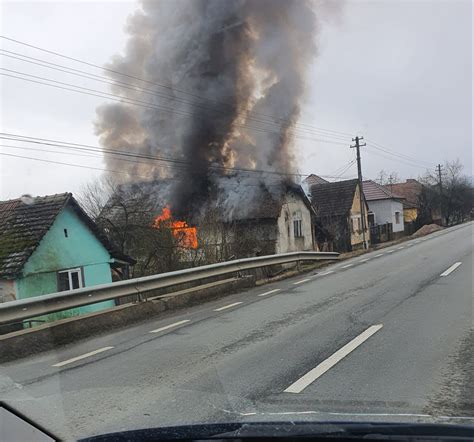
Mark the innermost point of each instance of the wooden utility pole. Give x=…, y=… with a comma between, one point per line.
x=439, y=167
x=357, y=146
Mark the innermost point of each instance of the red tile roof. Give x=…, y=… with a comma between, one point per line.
x=410, y=191
x=374, y=191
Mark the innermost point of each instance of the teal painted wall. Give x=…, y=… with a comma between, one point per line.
x=57, y=252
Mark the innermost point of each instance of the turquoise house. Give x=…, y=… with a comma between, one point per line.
x=49, y=244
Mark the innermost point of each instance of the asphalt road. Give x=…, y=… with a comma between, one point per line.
x=379, y=337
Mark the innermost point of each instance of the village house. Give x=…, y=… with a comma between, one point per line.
x=410, y=191
x=273, y=223
x=241, y=219
x=49, y=244
x=339, y=225
x=385, y=209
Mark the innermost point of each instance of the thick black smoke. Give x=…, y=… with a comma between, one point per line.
x=224, y=80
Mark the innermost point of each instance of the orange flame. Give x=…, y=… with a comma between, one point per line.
x=186, y=235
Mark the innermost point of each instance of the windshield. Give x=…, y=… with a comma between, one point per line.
x=235, y=211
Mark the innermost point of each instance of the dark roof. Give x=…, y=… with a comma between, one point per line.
x=374, y=191
x=236, y=198
x=261, y=203
x=410, y=191
x=25, y=221
x=333, y=199
x=314, y=179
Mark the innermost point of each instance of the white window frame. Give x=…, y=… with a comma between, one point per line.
x=69, y=272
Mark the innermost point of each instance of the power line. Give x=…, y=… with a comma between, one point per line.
x=129, y=86
x=146, y=178
x=348, y=166
x=419, y=166
x=167, y=87
x=178, y=163
x=382, y=148
x=145, y=104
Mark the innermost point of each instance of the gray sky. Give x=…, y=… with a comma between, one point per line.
x=397, y=72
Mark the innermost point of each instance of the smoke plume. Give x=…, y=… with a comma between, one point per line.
x=223, y=85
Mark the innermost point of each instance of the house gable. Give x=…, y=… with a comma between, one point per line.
x=295, y=207
x=68, y=243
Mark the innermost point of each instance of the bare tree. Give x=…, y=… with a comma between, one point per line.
x=453, y=198
x=384, y=178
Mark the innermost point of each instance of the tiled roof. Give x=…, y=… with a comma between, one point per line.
x=374, y=191
x=333, y=199
x=24, y=222
x=314, y=179
x=410, y=191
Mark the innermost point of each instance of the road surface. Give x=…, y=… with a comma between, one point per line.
x=386, y=335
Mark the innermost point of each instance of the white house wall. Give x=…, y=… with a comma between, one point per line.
x=286, y=236
x=384, y=212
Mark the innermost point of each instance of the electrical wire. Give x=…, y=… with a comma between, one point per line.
x=176, y=163
x=173, y=99
x=140, y=103
x=167, y=87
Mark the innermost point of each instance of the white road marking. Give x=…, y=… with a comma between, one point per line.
x=270, y=292
x=402, y=247
x=451, y=269
x=227, y=306
x=390, y=251
x=326, y=273
x=78, y=358
x=301, y=282
x=323, y=367
x=166, y=327
x=346, y=266
x=365, y=260
x=380, y=254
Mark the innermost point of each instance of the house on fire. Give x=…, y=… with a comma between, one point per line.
x=265, y=222
x=338, y=215
x=240, y=219
x=49, y=244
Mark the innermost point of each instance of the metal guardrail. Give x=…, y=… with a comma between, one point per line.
x=40, y=305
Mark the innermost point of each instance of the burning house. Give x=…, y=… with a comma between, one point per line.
x=236, y=223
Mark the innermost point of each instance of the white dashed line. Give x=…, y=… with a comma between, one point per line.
x=451, y=269
x=78, y=358
x=346, y=266
x=270, y=292
x=402, y=247
x=323, y=367
x=365, y=260
x=301, y=282
x=390, y=251
x=326, y=273
x=227, y=306
x=166, y=327
x=380, y=254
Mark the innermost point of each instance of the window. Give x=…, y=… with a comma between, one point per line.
x=297, y=224
x=359, y=227
x=397, y=217
x=297, y=227
x=70, y=279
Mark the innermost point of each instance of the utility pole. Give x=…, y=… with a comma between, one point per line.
x=357, y=146
x=440, y=184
